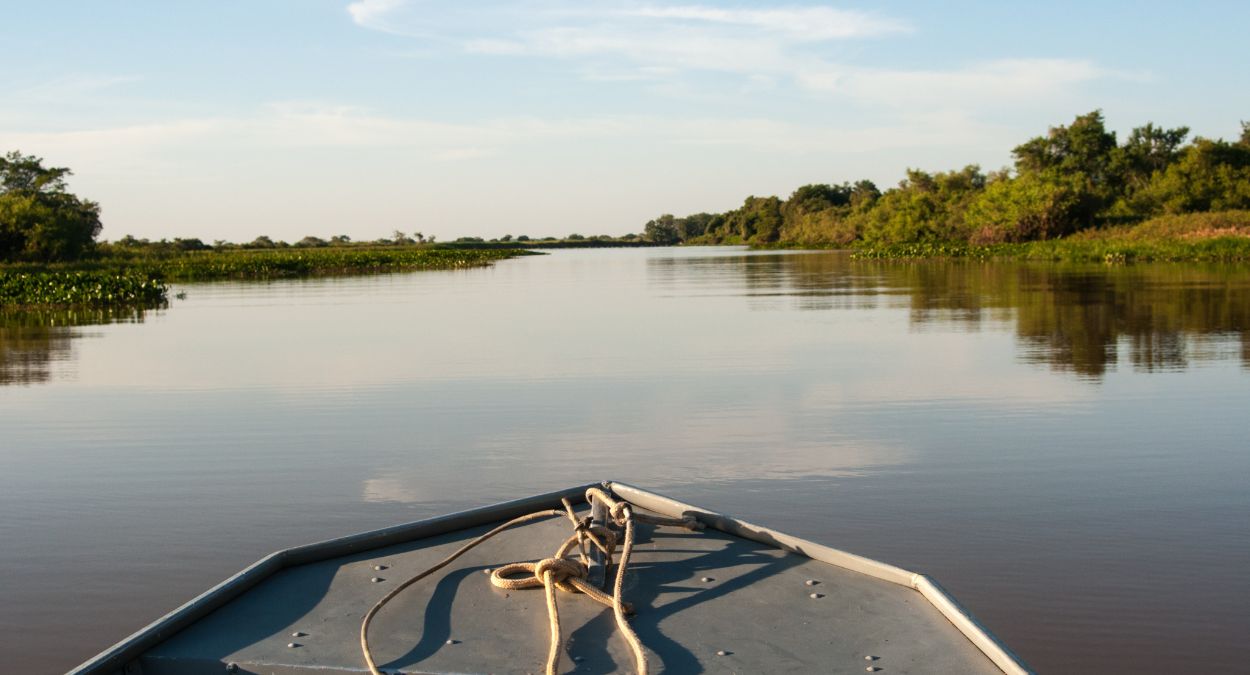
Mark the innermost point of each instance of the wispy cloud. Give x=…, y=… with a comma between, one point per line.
x=785, y=45
x=297, y=125
x=1005, y=81
x=72, y=86
x=656, y=37
x=374, y=14
x=804, y=23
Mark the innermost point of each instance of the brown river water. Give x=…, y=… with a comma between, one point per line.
x=1066, y=448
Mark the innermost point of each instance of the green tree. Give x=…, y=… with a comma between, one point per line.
x=1033, y=206
x=311, y=242
x=191, y=244
x=693, y=225
x=864, y=194
x=1148, y=149
x=758, y=220
x=1084, y=149
x=1085, y=146
x=924, y=207
x=818, y=197
x=662, y=230
x=39, y=219
x=1209, y=176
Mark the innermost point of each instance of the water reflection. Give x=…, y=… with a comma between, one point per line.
x=1082, y=319
x=33, y=342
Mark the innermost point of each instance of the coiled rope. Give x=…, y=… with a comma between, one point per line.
x=559, y=571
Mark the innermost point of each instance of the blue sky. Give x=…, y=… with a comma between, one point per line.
x=229, y=119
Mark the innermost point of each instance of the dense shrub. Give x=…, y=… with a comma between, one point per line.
x=924, y=208
x=1033, y=206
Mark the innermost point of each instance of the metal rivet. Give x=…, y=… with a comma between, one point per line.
x=811, y=582
x=486, y=571
x=299, y=633
x=723, y=653
x=232, y=667
x=379, y=567
x=453, y=642
x=707, y=579
x=292, y=645
x=377, y=579
x=872, y=669
x=816, y=596
x=870, y=657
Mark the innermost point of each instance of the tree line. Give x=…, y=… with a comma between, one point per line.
x=1074, y=178
x=42, y=222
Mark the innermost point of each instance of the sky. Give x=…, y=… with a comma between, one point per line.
x=231, y=119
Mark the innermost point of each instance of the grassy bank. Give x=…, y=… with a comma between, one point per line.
x=1195, y=237
x=141, y=280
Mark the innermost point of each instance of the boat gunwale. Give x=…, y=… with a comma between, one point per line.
x=959, y=616
x=113, y=661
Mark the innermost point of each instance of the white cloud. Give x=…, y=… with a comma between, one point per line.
x=70, y=86
x=308, y=125
x=374, y=13
x=803, y=23
x=1002, y=81
x=767, y=47
x=672, y=38
x=665, y=48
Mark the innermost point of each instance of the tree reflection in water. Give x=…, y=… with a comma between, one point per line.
x=1082, y=319
x=32, y=342
x=1073, y=318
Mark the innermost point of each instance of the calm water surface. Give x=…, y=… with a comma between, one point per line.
x=1063, y=447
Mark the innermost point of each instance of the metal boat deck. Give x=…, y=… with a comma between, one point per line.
x=710, y=601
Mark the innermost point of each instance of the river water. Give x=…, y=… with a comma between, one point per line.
x=1063, y=447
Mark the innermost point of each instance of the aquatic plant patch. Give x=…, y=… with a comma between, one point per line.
x=81, y=288
x=285, y=263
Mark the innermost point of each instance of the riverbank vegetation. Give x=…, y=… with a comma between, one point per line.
x=1077, y=184
x=49, y=256
x=278, y=263
x=78, y=288
x=127, y=276
x=1222, y=236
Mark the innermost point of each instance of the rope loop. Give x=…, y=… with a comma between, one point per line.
x=560, y=571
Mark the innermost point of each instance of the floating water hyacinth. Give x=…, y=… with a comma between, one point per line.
x=81, y=288
x=271, y=264
x=141, y=281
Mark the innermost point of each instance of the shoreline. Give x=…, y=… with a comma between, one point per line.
x=143, y=281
